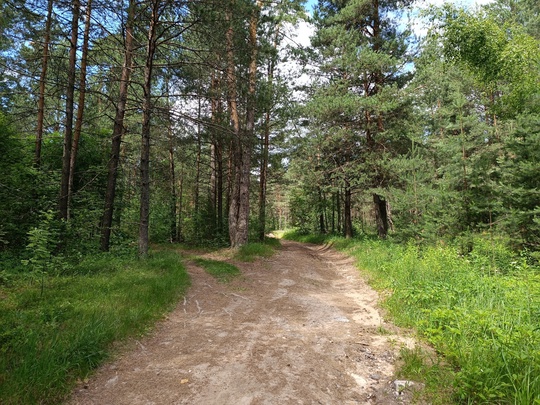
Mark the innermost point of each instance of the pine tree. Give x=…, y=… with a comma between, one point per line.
x=362, y=55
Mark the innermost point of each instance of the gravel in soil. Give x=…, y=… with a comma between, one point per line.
x=300, y=327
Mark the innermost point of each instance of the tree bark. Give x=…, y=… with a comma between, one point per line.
x=265, y=147
x=118, y=131
x=172, y=176
x=63, y=205
x=145, y=133
x=322, y=228
x=239, y=202
x=80, y=107
x=42, y=82
x=216, y=158
x=347, y=215
x=381, y=216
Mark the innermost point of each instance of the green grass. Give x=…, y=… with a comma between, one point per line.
x=481, y=312
x=305, y=238
x=222, y=271
x=251, y=251
x=49, y=341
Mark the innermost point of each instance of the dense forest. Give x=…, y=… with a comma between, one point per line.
x=206, y=122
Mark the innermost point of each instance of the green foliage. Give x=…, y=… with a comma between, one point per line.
x=48, y=342
x=480, y=311
x=42, y=241
x=17, y=180
x=419, y=365
x=301, y=236
x=222, y=271
x=498, y=54
x=251, y=251
x=521, y=184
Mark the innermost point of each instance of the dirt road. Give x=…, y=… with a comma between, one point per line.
x=298, y=328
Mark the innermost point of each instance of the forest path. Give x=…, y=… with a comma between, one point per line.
x=301, y=327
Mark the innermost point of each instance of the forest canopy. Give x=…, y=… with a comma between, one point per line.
x=131, y=122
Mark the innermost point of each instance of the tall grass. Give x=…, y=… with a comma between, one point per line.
x=49, y=341
x=251, y=251
x=480, y=311
x=484, y=319
x=222, y=271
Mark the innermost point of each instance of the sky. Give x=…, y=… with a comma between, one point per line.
x=305, y=30
x=300, y=35
x=467, y=3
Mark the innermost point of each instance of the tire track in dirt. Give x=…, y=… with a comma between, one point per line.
x=301, y=327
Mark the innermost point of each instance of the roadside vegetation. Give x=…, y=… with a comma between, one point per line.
x=222, y=271
x=54, y=330
x=252, y=251
x=479, y=311
x=225, y=272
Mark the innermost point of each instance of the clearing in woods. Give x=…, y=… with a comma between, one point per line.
x=301, y=327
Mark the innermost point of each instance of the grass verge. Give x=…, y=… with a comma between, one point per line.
x=222, y=271
x=480, y=311
x=48, y=341
x=251, y=251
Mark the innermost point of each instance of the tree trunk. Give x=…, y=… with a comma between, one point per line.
x=70, y=94
x=219, y=162
x=196, y=192
x=172, y=177
x=347, y=216
x=338, y=213
x=80, y=107
x=145, y=133
x=118, y=131
x=334, y=198
x=216, y=159
x=219, y=186
x=381, y=216
x=322, y=228
x=233, y=113
x=42, y=81
x=265, y=143
x=239, y=205
x=180, y=209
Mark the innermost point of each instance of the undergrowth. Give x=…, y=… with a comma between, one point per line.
x=251, y=251
x=222, y=271
x=56, y=332
x=481, y=311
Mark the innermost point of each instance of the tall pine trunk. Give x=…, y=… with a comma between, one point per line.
x=118, y=131
x=172, y=175
x=144, y=216
x=265, y=143
x=381, y=215
x=347, y=215
x=80, y=107
x=42, y=82
x=63, y=205
x=237, y=228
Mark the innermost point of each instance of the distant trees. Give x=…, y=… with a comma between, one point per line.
x=440, y=147
x=361, y=55
x=184, y=76
x=174, y=121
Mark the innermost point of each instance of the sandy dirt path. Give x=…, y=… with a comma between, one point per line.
x=301, y=327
